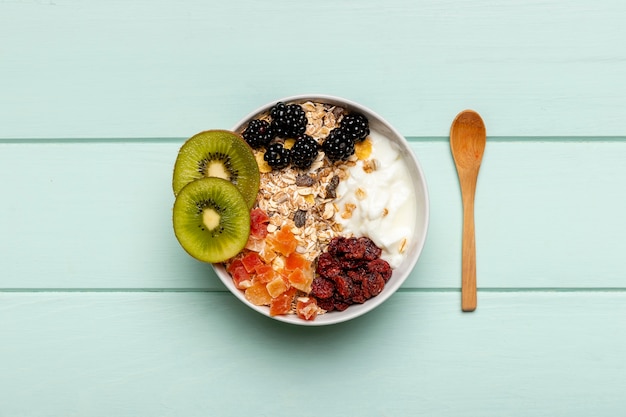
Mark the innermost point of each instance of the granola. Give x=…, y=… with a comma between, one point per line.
x=303, y=200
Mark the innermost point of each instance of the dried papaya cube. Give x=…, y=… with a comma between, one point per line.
x=277, y=286
x=283, y=241
x=258, y=223
x=257, y=294
x=233, y=265
x=296, y=261
x=301, y=280
x=251, y=260
x=363, y=149
x=306, y=308
x=267, y=254
x=264, y=274
x=241, y=278
x=255, y=245
x=282, y=304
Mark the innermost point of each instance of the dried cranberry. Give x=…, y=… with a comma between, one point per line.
x=371, y=250
x=374, y=283
x=325, y=260
x=344, y=286
x=356, y=275
x=380, y=266
x=357, y=249
x=327, y=266
x=331, y=272
x=327, y=304
x=337, y=246
x=322, y=288
x=351, y=271
x=347, y=264
x=340, y=305
x=359, y=295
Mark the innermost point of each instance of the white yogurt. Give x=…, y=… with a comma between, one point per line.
x=384, y=204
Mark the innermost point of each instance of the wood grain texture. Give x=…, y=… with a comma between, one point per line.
x=97, y=214
x=142, y=68
x=164, y=354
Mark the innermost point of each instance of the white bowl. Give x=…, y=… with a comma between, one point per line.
x=400, y=273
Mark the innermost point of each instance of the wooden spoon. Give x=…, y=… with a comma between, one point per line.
x=467, y=143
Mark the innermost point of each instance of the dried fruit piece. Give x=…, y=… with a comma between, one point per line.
x=250, y=261
x=267, y=254
x=331, y=188
x=288, y=143
x=283, y=241
x=381, y=267
x=303, y=180
x=241, y=277
x=322, y=288
x=301, y=279
x=276, y=287
x=258, y=223
x=282, y=304
x=374, y=284
x=258, y=295
x=306, y=308
x=351, y=271
x=264, y=167
x=296, y=261
x=264, y=274
x=299, y=218
x=363, y=149
x=255, y=245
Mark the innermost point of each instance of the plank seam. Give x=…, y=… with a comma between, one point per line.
x=157, y=140
x=401, y=290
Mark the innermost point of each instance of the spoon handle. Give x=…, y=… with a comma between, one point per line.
x=468, y=262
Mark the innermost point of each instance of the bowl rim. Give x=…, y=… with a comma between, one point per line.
x=356, y=310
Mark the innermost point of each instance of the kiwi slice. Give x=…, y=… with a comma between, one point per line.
x=218, y=153
x=211, y=219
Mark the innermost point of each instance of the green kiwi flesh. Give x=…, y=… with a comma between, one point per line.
x=211, y=219
x=218, y=153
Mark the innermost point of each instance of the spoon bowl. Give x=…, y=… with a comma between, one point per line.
x=468, y=137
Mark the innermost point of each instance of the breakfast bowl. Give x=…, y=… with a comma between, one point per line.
x=381, y=198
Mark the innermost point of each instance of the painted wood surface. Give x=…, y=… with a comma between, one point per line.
x=95, y=68
x=101, y=312
x=199, y=354
x=97, y=214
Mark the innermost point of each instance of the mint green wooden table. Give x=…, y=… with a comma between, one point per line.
x=102, y=313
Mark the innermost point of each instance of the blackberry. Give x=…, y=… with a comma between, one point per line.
x=277, y=156
x=356, y=126
x=304, y=152
x=258, y=134
x=338, y=146
x=288, y=120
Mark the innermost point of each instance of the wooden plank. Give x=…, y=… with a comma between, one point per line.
x=171, y=68
x=198, y=354
x=98, y=215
